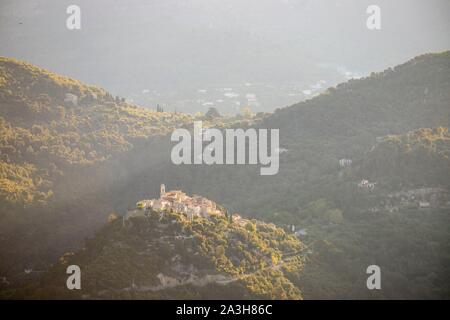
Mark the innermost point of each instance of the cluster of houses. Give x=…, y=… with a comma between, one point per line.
x=70, y=98
x=178, y=201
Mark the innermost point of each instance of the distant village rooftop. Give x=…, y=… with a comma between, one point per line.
x=178, y=201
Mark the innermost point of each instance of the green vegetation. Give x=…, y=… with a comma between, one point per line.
x=368, y=121
x=43, y=135
x=418, y=158
x=66, y=152
x=41, y=129
x=123, y=261
x=64, y=167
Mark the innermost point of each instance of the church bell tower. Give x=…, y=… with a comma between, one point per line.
x=162, y=191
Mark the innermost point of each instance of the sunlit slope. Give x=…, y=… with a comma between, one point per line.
x=164, y=255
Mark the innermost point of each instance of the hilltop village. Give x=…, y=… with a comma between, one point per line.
x=178, y=201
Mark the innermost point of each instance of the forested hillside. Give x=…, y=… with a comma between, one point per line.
x=50, y=124
x=166, y=256
x=343, y=123
x=360, y=120
x=417, y=158
x=65, y=166
x=66, y=148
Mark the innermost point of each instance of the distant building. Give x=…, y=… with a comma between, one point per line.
x=424, y=204
x=71, y=99
x=366, y=185
x=162, y=190
x=236, y=218
x=301, y=233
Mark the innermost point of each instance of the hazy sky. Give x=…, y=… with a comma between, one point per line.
x=127, y=45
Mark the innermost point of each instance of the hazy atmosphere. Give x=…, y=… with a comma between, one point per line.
x=185, y=53
x=257, y=150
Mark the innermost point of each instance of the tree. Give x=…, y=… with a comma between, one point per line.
x=60, y=113
x=335, y=215
x=212, y=113
x=246, y=112
x=318, y=208
x=220, y=251
x=275, y=258
x=250, y=227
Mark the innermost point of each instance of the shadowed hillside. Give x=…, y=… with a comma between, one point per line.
x=164, y=255
x=65, y=150
x=71, y=154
